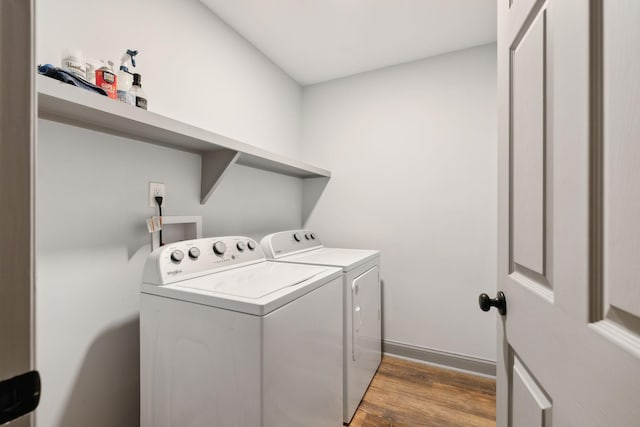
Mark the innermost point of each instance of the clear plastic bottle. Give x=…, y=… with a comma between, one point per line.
x=125, y=77
x=136, y=90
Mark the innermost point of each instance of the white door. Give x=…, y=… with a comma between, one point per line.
x=569, y=213
x=362, y=333
x=367, y=326
x=17, y=392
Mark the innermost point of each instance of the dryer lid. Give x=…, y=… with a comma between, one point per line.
x=335, y=257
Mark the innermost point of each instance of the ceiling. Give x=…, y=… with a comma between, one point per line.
x=319, y=40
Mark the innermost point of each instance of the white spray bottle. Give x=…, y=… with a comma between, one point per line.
x=125, y=77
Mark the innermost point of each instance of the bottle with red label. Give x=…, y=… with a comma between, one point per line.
x=107, y=80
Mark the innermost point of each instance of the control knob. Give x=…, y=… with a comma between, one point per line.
x=219, y=248
x=313, y=236
x=251, y=244
x=307, y=236
x=194, y=253
x=177, y=256
x=297, y=237
x=241, y=246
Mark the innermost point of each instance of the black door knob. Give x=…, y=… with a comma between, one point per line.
x=498, y=302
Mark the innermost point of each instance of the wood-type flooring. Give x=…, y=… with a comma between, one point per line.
x=410, y=394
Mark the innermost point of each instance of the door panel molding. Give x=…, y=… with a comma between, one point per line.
x=532, y=281
x=613, y=330
x=527, y=146
x=520, y=17
x=530, y=201
x=531, y=405
x=615, y=200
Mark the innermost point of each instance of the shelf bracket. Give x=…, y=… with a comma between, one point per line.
x=215, y=165
x=312, y=189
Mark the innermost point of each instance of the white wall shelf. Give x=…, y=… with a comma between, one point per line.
x=68, y=104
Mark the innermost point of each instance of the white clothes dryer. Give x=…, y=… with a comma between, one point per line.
x=362, y=325
x=230, y=339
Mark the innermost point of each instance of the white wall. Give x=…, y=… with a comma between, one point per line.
x=194, y=67
x=412, y=150
x=92, y=189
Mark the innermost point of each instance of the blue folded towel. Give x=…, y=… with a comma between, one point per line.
x=70, y=78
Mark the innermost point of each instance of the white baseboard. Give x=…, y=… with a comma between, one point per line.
x=451, y=360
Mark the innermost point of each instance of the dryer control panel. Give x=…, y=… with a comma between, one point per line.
x=193, y=258
x=284, y=243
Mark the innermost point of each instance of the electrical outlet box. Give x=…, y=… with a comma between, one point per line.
x=177, y=229
x=156, y=189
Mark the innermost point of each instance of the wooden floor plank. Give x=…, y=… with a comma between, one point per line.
x=411, y=394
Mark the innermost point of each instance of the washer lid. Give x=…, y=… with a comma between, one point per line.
x=346, y=259
x=255, y=289
x=255, y=281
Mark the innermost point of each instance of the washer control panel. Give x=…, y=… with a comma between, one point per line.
x=287, y=242
x=193, y=258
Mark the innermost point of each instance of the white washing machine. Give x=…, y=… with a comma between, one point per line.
x=229, y=339
x=362, y=325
